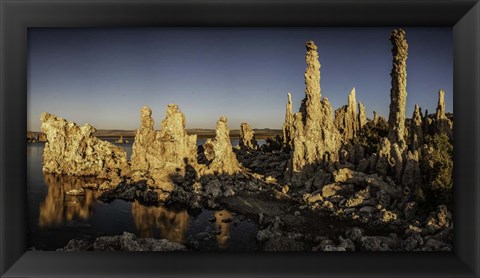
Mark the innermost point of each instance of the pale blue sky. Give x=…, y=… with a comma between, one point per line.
x=103, y=76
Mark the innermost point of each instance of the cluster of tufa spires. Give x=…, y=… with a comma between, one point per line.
x=315, y=135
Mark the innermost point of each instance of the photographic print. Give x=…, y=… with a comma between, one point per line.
x=240, y=139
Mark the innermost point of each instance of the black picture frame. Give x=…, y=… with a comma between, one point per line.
x=16, y=16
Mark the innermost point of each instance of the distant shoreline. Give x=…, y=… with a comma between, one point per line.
x=201, y=133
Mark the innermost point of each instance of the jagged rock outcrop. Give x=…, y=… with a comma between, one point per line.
x=383, y=162
x=298, y=159
x=247, y=137
x=441, y=105
x=143, y=146
x=220, y=153
x=427, y=122
x=124, y=242
x=398, y=92
x=443, y=125
x=375, y=118
x=416, y=129
x=288, y=124
x=159, y=156
x=34, y=137
x=412, y=176
x=73, y=150
x=346, y=118
x=393, y=148
x=362, y=116
x=316, y=139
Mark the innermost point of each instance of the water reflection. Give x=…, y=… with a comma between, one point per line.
x=58, y=207
x=170, y=224
x=223, y=218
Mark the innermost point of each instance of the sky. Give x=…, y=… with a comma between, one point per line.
x=103, y=76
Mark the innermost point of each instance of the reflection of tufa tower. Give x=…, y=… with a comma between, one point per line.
x=170, y=224
x=223, y=237
x=58, y=206
x=398, y=92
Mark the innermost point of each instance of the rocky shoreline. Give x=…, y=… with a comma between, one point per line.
x=335, y=180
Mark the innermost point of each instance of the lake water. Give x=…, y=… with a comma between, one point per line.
x=54, y=217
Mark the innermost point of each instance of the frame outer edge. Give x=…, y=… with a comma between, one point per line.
x=2, y=141
x=467, y=116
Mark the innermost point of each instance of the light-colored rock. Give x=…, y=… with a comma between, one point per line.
x=346, y=119
x=346, y=175
x=358, y=198
x=398, y=92
x=330, y=190
x=76, y=192
x=316, y=138
x=298, y=144
x=288, y=124
x=314, y=198
x=383, y=163
x=375, y=118
x=220, y=152
x=416, y=130
x=165, y=154
x=362, y=116
x=397, y=161
x=73, y=150
x=388, y=216
x=443, y=125
x=247, y=137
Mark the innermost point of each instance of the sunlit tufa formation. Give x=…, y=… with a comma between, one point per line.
x=398, y=92
x=288, y=124
x=73, y=150
x=158, y=156
x=346, y=119
x=247, y=137
x=220, y=152
x=416, y=131
x=362, y=116
x=392, y=150
x=443, y=125
x=316, y=139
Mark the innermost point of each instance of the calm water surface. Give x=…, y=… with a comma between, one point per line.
x=55, y=218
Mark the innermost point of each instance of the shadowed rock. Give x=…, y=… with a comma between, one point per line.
x=427, y=122
x=124, y=242
x=416, y=132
